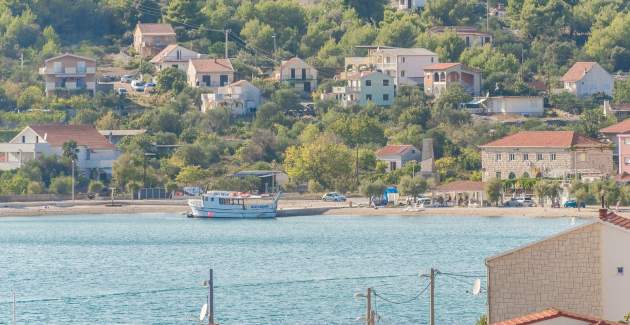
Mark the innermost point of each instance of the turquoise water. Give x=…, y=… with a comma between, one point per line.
x=148, y=269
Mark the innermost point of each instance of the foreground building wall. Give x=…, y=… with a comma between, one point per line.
x=563, y=271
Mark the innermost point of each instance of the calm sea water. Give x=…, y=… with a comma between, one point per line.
x=148, y=269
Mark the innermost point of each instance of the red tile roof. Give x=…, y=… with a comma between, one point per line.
x=615, y=219
x=577, y=71
x=394, y=149
x=212, y=65
x=156, y=29
x=544, y=139
x=84, y=135
x=621, y=127
x=552, y=313
x=441, y=66
x=463, y=186
x=72, y=55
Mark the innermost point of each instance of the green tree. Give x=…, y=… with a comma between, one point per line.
x=494, y=191
x=61, y=185
x=95, y=186
x=192, y=175
x=369, y=10
x=373, y=189
x=184, y=12
x=171, y=79
x=413, y=186
x=70, y=150
x=258, y=35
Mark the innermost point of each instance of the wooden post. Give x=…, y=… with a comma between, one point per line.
x=368, y=314
x=432, y=299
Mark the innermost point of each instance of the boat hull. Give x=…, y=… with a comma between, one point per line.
x=201, y=212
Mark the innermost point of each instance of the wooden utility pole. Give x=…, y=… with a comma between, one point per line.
x=369, y=317
x=432, y=298
x=227, y=32
x=210, y=300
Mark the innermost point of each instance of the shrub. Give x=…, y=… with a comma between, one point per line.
x=61, y=185
x=35, y=188
x=95, y=187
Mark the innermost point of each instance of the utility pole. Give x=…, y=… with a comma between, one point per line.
x=73, y=163
x=432, y=299
x=487, y=16
x=275, y=47
x=210, y=299
x=369, y=317
x=22, y=60
x=227, y=32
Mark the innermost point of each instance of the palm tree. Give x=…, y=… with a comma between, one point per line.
x=70, y=150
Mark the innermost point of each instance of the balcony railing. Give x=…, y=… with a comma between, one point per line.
x=67, y=71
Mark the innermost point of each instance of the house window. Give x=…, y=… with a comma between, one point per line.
x=497, y=157
x=403, y=59
x=392, y=165
x=552, y=156
x=498, y=175
x=368, y=83
x=385, y=97
x=57, y=67
x=525, y=156
x=626, y=140
x=431, y=59
x=402, y=73
x=539, y=156
x=303, y=74
x=581, y=156
x=292, y=73
x=386, y=82
x=205, y=80
x=81, y=67
x=37, y=139
x=388, y=59
x=511, y=156
x=23, y=139
x=368, y=97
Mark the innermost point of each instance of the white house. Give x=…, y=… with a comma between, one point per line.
x=35, y=141
x=407, y=4
x=240, y=98
x=298, y=74
x=404, y=65
x=585, y=270
x=365, y=87
x=588, y=78
x=396, y=156
x=210, y=73
x=175, y=56
x=520, y=105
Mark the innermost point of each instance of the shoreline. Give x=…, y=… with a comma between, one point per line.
x=286, y=209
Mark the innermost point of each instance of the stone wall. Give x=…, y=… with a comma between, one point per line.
x=599, y=159
x=563, y=272
x=518, y=166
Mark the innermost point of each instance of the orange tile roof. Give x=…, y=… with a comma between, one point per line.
x=441, y=66
x=552, y=313
x=84, y=135
x=212, y=65
x=615, y=219
x=577, y=71
x=72, y=55
x=394, y=149
x=156, y=29
x=621, y=127
x=464, y=186
x=544, y=139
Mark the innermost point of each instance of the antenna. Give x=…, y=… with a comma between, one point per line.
x=476, y=289
x=203, y=312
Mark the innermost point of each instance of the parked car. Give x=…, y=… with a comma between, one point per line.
x=423, y=200
x=512, y=203
x=149, y=87
x=126, y=79
x=526, y=201
x=137, y=85
x=108, y=78
x=573, y=204
x=333, y=197
x=122, y=91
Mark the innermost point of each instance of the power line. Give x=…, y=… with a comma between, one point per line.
x=404, y=301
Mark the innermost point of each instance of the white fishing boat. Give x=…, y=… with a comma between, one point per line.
x=224, y=204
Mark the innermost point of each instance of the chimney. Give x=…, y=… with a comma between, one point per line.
x=603, y=213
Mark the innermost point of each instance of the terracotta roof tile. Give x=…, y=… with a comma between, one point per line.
x=156, y=29
x=212, y=65
x=577, y=71
x=615, y=219
x=84, y=135
x=552, y=313
x=441, y=66
x=621, y=127
x=544, y=139
x=394, y=149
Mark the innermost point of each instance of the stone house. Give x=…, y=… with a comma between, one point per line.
x=95, y=153
x=210, y=73
x=396, y=156
x=582, y=270
x=150, y=39
x=175, y=56
x=553, y=154
x=239, y=98
x=365, y=87
x=439, y=76
x=298, y=74
x=469, y=34
x=584, y=79
x=553, y=316
x=69, y=73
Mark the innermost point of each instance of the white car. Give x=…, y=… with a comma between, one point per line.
x=333, y=197
x=137, y=85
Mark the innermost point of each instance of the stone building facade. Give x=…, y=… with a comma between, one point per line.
x=555, y=154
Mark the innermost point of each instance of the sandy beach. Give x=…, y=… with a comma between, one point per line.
x=286, y=208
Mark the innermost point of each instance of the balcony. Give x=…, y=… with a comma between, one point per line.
x=67, y=71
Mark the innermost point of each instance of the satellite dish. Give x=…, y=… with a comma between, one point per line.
x=476, y=287
x=204, y=311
